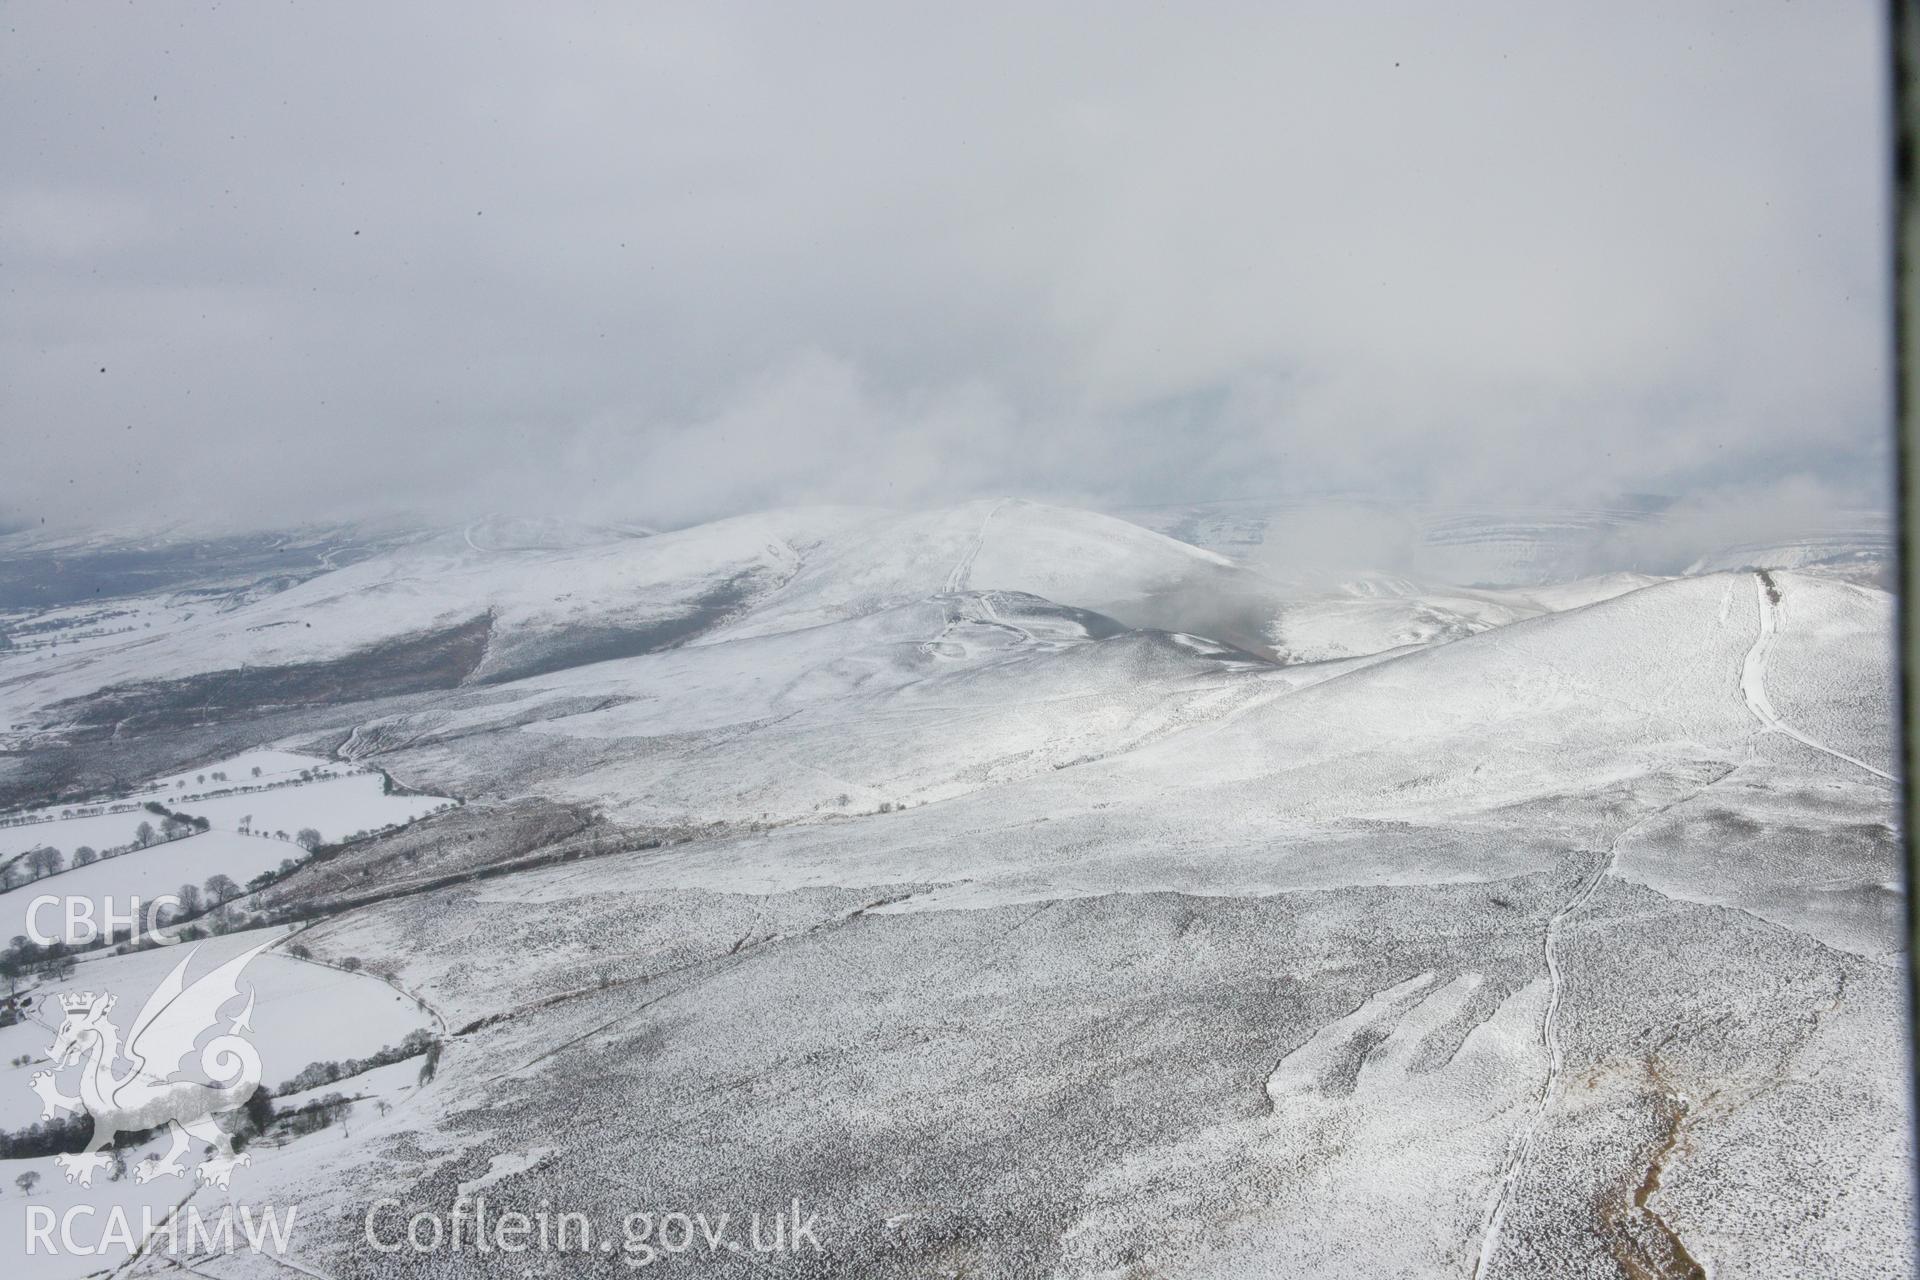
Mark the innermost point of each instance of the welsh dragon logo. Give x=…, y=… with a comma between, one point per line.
x=157, y=1086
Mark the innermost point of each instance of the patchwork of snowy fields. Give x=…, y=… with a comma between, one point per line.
x=337, y=803
x=302, y=1013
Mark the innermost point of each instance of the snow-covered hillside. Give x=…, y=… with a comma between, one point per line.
x=1042, y=894
x=532, y=604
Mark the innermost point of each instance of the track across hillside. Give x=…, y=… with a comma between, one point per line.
x=1753, y=689
x=1522, y=1149
x=963, y=569
x=1753, y=676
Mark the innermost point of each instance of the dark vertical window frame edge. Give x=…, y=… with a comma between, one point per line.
x=1904, y=47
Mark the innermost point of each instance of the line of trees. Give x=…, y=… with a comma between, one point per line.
x=45, y=860
x=66, y=1134
x=316, y=774
x=315, y=1074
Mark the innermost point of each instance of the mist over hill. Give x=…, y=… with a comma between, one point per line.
x=989, y=642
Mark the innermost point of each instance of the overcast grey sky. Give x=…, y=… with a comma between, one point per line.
x=271, y=262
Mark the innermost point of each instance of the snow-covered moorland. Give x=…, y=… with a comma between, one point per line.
x=1034, y=893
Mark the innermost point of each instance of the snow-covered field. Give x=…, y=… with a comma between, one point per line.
x=274, y=768
x=1042, y=894
x=143, y=876
x=303, y=1012
x=336, y=804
